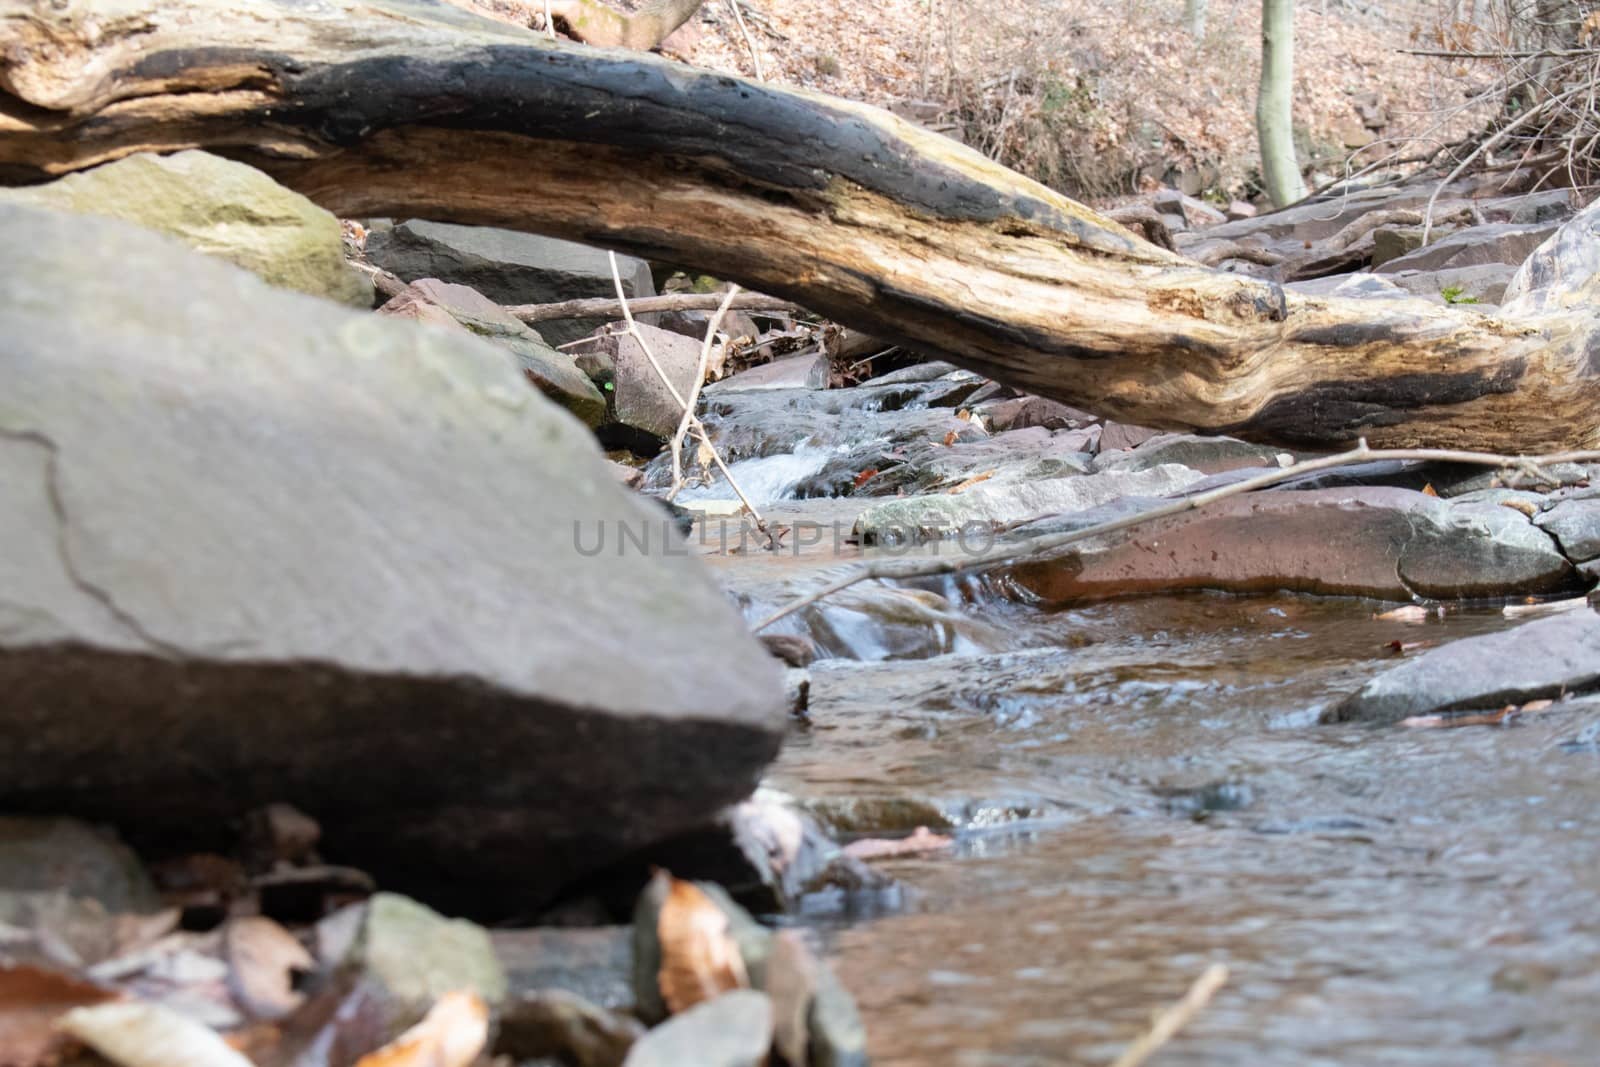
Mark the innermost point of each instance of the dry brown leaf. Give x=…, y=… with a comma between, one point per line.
x=950, y=438
x=136, y=1034
x=31, y=1000
x=451, y=1035
x=876, y=848
x=699, y=957
x=264, y=961
x=1429, y=490
x=1527, y=507
x=866, y=476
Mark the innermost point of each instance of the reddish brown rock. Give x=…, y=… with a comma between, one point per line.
x=1378, y=542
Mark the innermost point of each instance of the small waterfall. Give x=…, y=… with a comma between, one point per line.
x=765, y=480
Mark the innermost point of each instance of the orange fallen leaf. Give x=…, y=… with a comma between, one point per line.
x=1429, y=490
x=876, y=848
x=866, y=476
x=451, y=1035
x=31, y=1000
x=950, y=438
x=970, y=482
x=699, y=957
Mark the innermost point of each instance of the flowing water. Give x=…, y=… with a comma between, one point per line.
x=1140, y=788
x=1150, y=793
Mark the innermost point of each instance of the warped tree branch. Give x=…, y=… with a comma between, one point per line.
x=404, y=107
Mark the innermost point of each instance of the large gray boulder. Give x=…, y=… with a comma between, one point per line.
x=1543, y=659
x=508, y=267
x=262, y=548
x=223, y=208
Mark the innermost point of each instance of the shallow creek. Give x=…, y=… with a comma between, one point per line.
x=1138, y=788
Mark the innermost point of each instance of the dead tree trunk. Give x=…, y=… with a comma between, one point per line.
x=403, y=107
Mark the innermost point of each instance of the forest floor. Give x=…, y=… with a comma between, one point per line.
x=1061, y=89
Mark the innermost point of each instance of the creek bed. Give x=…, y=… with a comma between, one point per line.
x=1139, y=788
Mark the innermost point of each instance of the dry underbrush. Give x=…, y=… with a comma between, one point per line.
x=1089, y=96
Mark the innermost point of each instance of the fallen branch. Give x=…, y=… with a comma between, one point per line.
x=1033, y=547
x=389, y=108
x=1175, y=1018
x=606, y=308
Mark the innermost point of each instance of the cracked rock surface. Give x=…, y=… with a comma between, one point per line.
x=258, y=547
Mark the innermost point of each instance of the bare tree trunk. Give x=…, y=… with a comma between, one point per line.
x=402, y=107
x=1194, y=17
x=1275, y=104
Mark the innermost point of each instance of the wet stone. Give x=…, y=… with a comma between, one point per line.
x=1542, y=659
x=733, y=1030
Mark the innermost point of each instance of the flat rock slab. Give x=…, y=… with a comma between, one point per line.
x=1393, y=544
x=509, y=267
x=1543, y=659
x=262, y=548
x=1576, y=525
x=790, y=372
x=992, y=504
x=554, y=372
x=1497, y=242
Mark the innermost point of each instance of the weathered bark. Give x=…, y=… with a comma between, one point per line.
x=1280, y=170
x=399, y=107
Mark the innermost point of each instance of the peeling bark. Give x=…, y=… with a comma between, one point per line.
x=406, y=108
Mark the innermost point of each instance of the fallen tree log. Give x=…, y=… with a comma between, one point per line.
x=404, y=107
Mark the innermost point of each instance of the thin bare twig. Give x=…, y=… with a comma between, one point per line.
x=1175, y=1018
x=749, y=41
x=1032, y=547
x=672, y=390
x=694, y=393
